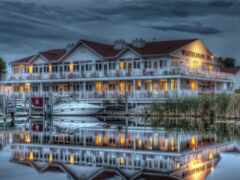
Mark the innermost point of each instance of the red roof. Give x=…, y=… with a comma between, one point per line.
x=107, y=50
x=53, y=54
x=23, y=60
x=162, y=47
x=50, y=55
x=233, y=70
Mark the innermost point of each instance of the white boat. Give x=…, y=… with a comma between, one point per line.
x=21, y=110
x=75, y=109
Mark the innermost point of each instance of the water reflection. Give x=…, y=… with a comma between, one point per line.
x=74, y=122
x=225, y=130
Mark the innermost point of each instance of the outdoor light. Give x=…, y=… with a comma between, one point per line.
x=50, y=158
x=71, y=159
x=30, y=69
x=50, y=68
x=71, y=67
x=27, y=137
x=31, y=158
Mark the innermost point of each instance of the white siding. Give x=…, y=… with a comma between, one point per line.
x=195, y=46
x=40, y=60
x=82, y=53
x=128, y=55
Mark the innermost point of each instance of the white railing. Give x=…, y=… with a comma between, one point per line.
x=138, y=94
x=121, y=73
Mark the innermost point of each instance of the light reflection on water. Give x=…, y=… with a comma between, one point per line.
x=229, y=165
x=227, y=169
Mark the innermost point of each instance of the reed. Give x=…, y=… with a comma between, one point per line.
x=203, y=106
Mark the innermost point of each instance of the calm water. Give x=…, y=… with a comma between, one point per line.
x=228, y=167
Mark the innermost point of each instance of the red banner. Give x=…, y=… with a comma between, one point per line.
x=37, y=101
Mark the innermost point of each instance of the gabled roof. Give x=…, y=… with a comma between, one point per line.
x=53, y=54
x=23, y=60
x=162, y=47
x=49, y=55
x=100, y=49
x=108, y=51
x=105, y=50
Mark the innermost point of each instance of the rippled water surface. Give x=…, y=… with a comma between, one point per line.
x=228, y=167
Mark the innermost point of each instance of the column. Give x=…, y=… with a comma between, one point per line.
x=169, y=87
x=41, y=89
x=134, y=88
x=84, y=89
x=179, y=87
x=80, y=90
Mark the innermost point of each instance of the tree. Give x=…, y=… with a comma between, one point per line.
x=227, y=62
x=2, y=67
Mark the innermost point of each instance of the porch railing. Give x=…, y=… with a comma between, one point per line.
x=119, y=73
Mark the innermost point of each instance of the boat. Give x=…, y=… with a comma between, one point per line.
x=21, y=110
x=76, y=109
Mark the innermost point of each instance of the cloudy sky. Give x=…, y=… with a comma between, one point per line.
x=29, y=26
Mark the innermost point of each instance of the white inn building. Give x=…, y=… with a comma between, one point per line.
x=144, y=72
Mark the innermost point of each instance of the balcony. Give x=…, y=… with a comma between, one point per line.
x=138, y=95
x=98, y=75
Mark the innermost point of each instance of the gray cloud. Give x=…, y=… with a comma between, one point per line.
x=28, y=26
x=196, y=29
x=139, y=9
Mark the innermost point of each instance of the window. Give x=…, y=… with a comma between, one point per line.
x=155, y=65
x=54, y=68
x=45, y=88
x=35, y=69
x=88, y=87
x=82, y=68
x=76, y=67
x=164, y=63
x=60, y=68
x=66, y=68
x=160, y=63
x=34, y=88
x=98, y=67
x=40, y=69
x=45, y=68
x=26, y=69
x=88, y=67
x=147, y=64
x=122, y=65
x=76, y=87
x=136, y=65
x=112, y=66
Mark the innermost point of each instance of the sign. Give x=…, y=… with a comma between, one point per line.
x=37, y=101
x=196, y=55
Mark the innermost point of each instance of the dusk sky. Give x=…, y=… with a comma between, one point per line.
x=30, y=26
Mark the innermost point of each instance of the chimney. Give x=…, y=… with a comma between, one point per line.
x=119, y=44
x=138, y=43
